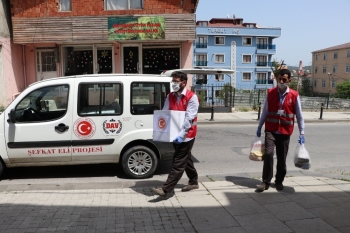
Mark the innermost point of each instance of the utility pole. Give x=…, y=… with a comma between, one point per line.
x=299, y=72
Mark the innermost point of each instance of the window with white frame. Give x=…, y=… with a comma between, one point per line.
x=347, y=69
x=202, y=42
x=348, y=53
x=335, y=69
x=261, y=43
x=261, y=78
x=219, y=40
x=333, y=83
x=219, y=58
x=261, y=60
x=315, y=83
x=219, y=77
x=323, y=83
x=316, y=69
x=335, y=55
x=65, y=5
x=316, y=57
x=203, y=24
x=325, y=56
x=247, y=59
x=324, y=69
x=247, y=76
x=123, y=4
x=247, y=40
x=201, y=60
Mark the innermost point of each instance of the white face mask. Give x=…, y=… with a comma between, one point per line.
x=282, y=85
x=176, y=86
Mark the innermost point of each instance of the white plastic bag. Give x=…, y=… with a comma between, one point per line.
x=257, y=149
x=301, y=157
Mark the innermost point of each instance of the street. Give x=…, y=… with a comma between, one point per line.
x=219, y=149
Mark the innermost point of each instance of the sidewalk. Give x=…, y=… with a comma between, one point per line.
x=251, y=117
x=309, y=203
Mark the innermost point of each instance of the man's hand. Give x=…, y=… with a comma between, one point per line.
x=178, y=140
x=258, y=132
x=301, y=139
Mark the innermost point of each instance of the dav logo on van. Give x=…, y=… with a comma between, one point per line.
x=112, y=127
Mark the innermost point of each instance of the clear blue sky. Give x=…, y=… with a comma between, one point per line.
x=307, y=25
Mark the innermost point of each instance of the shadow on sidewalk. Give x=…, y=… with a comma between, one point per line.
x=252, y=183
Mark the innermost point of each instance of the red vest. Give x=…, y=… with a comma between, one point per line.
x=182, y=106
x=276, y=122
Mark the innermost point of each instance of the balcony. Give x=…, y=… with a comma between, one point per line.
x=201, y=63
x=265, y=49
x=201, y=46
x=266, y=46
x=264, y=81
x=264, y=63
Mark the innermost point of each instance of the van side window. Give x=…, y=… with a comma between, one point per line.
x=44, y=104
x=147, y=97
x=100, y=99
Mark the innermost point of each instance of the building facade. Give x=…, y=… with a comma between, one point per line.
x=331, y=66
x=11, y=68
x=73, y=37
x=228, y=43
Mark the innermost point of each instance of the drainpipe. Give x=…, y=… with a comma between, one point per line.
x=24, y=67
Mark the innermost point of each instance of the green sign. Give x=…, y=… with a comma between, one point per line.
x=136, y=28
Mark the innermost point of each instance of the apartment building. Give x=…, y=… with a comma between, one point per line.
x=230, y=43
x=72, y=37
x=331, y=66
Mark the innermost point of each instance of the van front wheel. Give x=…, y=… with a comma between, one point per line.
x=139, y=162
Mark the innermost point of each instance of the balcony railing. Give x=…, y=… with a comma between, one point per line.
x=264, y=63
x=266, y=46
x=264, y=81
x=201, y=45
x=201, y=63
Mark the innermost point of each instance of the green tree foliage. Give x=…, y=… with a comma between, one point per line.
x=226, y=93
x=293, y=84
x=306, y=88
x=343, y=90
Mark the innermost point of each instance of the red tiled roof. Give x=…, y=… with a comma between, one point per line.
x=342, y=46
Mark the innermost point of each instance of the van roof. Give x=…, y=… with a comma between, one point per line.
x=165, y=73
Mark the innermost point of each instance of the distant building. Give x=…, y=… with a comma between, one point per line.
x=331, y=66
x=228, y=43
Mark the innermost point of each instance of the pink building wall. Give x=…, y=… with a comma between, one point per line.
x=187, y=58
x=13, y=81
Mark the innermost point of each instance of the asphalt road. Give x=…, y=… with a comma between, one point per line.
x=219, y=149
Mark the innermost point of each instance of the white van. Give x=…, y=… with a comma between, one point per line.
x=87, y=119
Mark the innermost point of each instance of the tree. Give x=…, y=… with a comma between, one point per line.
x=293, y=84
x=306, y=87
x=343, y=90
x=225, y=93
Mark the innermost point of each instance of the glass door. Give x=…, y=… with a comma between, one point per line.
x=131, y=60
x=104, y=60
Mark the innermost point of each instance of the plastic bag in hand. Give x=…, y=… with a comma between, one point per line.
x=257, y=149
x=301, y=157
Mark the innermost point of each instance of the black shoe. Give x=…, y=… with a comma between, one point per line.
x=279, y=186
x=263, y=186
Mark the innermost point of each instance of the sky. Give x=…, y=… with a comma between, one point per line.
x=306, y=25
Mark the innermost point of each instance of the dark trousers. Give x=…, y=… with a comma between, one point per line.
x=182, y=162
x=281, y=142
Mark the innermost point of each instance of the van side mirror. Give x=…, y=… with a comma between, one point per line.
x=12, y=116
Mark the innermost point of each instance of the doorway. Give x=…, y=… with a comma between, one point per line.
x=46, y=64
x=131, y=60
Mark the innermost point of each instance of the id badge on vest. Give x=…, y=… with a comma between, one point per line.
x=280, y=112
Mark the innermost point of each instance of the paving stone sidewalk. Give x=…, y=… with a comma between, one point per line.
x=222, y=204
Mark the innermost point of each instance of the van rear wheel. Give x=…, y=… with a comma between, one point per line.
x=139, y=162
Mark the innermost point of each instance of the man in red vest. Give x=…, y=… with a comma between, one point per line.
x=281, y=105
x=182, y=100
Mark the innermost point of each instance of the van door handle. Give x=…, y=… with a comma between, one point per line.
x=61, y=127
